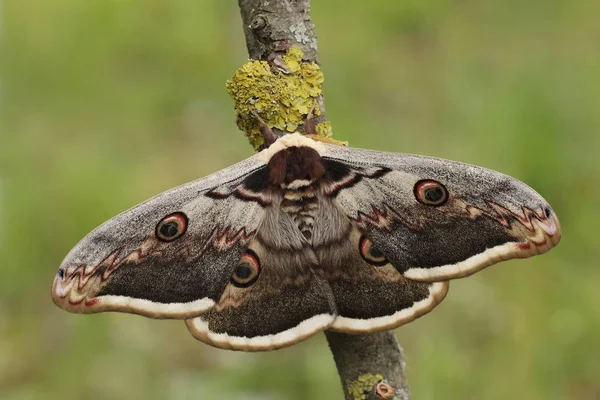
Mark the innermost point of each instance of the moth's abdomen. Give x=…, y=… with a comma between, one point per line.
x=301, y=205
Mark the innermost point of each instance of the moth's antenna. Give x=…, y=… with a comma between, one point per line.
x=268, y=134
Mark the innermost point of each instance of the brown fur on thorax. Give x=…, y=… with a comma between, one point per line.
x=295, y=163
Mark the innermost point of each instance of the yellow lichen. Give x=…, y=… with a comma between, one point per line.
x=363, y=385
x=324, y=129
x=283, y=100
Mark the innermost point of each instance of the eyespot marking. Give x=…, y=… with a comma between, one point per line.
x=247, y=271
x=430, y=193
x=370, y=253
x=171, y=227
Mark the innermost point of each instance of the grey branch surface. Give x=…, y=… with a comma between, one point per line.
x=271, y=27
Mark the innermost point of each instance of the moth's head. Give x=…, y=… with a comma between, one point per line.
x=457, y=219
x=136, y=262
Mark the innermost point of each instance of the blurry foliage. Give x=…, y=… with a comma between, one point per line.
x=105, y=103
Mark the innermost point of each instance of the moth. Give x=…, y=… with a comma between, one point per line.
x=302, y=237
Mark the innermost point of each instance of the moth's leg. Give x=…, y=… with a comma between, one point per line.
x=268, y=134
x=310, y=125
x=310, y=129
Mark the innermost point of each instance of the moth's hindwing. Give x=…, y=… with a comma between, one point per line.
x=370, y=293
x=288, y=301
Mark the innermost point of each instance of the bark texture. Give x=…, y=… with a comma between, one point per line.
x=376, y=354
x=272, y=27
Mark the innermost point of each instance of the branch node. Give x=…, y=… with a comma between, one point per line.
x=360, y=388
x=384, y=391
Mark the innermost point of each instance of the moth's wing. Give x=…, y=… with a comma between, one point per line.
x=488, y=217
x=370, y=294
x=123, y=266
x=286, y=302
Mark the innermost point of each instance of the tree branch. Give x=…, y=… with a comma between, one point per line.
x=368, y=365
x=272, y=27
x=360, y=361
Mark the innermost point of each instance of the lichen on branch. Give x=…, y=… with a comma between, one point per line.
x=283, y=96
x=363, y=385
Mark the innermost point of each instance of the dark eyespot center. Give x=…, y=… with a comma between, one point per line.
x=61, y=273
x=434, y=194
x=169, y=229
x=375, y=253
x=548, y=212
x=172, y=227
x=243, y=271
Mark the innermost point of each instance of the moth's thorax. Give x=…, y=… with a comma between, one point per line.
x=295, y=167
x=296, y=171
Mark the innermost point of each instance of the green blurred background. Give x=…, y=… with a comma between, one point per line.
x=108, y=102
